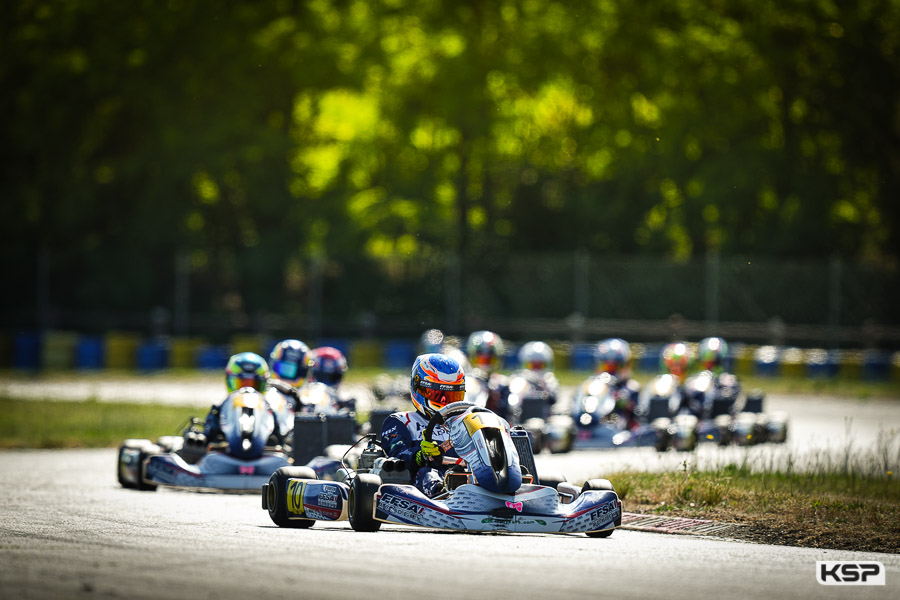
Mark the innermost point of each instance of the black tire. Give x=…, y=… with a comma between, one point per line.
x=142, y=485
x=122, y=481
x=361, y=504
x=599, y=485
x=276, y=496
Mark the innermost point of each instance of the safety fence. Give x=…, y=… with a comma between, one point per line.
x=122, y=351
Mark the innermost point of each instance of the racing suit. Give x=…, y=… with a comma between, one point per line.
x=627, y=392
x=401, y=437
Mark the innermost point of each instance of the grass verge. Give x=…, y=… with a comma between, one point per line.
x=89, y=424
x=841, y=511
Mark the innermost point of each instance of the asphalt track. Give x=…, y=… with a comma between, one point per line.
x=67, y=530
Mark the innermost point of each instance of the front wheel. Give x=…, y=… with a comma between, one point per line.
x=361, y=502
x=277, y=496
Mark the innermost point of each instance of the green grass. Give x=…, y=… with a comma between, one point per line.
x=825, y=509
x=89, y=424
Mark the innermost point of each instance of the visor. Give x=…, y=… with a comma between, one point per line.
x=241, y=382
x=329, y=377
x=285, y=370
x=535, y=365
x=440, y=395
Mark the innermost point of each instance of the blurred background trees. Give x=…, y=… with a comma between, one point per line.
x=230, y=156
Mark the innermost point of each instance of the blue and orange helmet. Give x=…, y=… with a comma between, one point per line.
x=289, y=361
x=246, y=369
x=613, y=356
x=436, y=381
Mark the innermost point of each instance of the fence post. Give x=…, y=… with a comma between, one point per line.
x=314, y=323
x=182, y=292
x=454, y=292
x=582, y=300
x=834, y=301
x=712, y=291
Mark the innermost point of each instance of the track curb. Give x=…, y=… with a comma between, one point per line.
x=640, y=522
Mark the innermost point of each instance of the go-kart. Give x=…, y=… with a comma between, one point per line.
x=600, y=421
x=242, y=458
x=707, y=409
x=529, y=401
x=495, y=487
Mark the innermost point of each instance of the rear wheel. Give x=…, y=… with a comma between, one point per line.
x=276, y=496
x=602, y=485
x=361, y=502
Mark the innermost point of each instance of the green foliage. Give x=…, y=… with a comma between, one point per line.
x=252, y=137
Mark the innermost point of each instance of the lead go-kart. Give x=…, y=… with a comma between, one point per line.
x=495, y=488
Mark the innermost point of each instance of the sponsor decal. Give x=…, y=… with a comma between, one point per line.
x=517, y=506
x=160, y=471
x=400, y=507
x=850, y=572
x=446, y=446
x=605, y=513
x=246, y=469
x=328, y=497
x=312, y=513
x=295, y=489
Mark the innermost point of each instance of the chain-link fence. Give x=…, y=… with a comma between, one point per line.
x=569, y=297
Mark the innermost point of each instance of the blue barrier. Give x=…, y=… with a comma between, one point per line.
x=152, y=356
x=649, y=360
x=27, y=351
x=90, y=353
x=399, y=354
x=876, y=366
x=822, y=364
x=766, y=359
x=583, y=357
x=212, y=357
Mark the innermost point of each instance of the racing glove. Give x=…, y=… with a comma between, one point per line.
x=429, y=450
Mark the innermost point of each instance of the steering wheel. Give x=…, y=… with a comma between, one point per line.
x=441, y=416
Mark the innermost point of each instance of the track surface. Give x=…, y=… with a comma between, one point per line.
x=68, y=531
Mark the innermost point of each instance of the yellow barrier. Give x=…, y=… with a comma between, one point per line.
x=58, y=350
x=121, y=350
x=851, y=365
x=744, y=360
x=792, y=362
x=183, y=353
x=251, y=343
x=365, y=353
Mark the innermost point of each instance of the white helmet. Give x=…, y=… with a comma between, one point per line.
x=536, y=356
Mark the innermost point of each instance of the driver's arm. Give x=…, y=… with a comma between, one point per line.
x=397, y=441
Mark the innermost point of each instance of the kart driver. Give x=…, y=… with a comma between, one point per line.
x=289, y=362
x=613, y=356
x=245, y=369
x=489, y=388
x=436, y=380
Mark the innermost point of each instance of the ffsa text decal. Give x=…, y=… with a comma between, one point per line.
x=849, y=572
